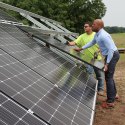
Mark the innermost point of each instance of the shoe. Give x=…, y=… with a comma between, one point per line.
x=101, y=93
x=117, y=98
x=107, y=105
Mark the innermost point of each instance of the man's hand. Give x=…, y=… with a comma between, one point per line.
x=105, y=67
x=71, y=43
x=78, y=49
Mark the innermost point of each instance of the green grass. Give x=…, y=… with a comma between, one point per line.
x=122, y=57
x=119, y=39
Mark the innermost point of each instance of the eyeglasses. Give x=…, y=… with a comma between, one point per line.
x=86, y=26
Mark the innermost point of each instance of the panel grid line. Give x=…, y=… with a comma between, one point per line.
x=3, y=122
x=77, y=106
x=59, y=105
x=27, y=111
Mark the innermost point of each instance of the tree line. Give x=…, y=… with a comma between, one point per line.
x=71, y=13
x=115, y=29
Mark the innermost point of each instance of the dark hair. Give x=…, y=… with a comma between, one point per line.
x=89, y=23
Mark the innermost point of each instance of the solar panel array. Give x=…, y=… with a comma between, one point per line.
x=40, y=87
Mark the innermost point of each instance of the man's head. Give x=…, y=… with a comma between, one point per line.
x=97, y=25
x=88, y=27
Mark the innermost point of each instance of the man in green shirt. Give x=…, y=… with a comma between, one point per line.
x=81, y=41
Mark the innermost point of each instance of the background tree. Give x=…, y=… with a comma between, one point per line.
x=71, y=13
x=115, y=29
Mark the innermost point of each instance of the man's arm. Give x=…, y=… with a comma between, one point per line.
x=76, y=42
x=107, y=41
x=86, y=46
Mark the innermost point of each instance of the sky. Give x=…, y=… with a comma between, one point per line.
x=115, y=14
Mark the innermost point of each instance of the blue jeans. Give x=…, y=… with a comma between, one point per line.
x=101, y=78
x=109, y=74
x=89, y=69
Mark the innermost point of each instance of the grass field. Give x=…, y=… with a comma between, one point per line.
x=120, y=43
x=115, y=116
x=119, y=39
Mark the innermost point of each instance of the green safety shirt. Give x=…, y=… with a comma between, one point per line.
x=84, y=39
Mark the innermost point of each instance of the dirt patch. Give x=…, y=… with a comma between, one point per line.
x=115, y=116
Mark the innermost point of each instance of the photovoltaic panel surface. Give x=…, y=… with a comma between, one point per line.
x=14, y=114
x=44, y=87
x=40, y=96
x=57, y=74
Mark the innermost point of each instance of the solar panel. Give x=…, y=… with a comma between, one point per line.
x=57, y=74
x=5, y=16
x=15, y=114
x=40, y=96
x=43, y=87
x=69, y=50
